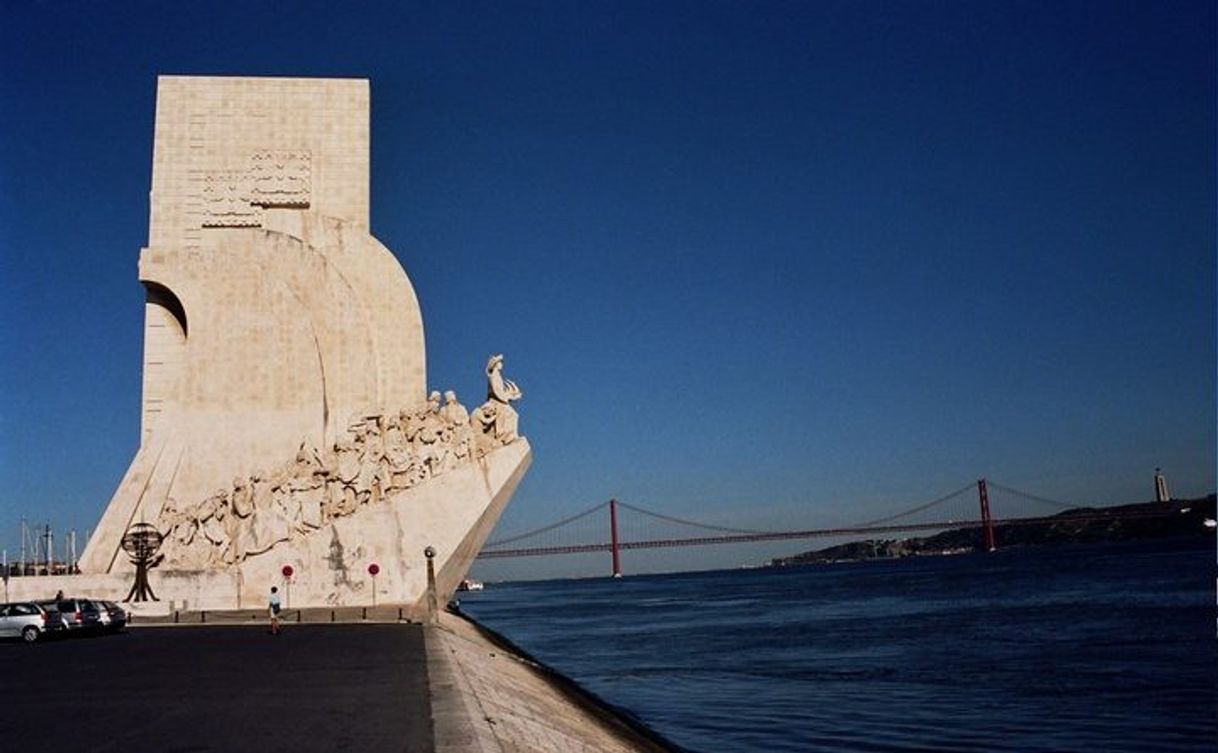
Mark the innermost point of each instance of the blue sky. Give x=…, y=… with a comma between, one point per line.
x=761, y=264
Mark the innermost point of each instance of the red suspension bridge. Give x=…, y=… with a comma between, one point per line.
x=967, y=507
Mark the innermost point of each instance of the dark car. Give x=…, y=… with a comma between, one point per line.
x=113, y=618
x=75, y=615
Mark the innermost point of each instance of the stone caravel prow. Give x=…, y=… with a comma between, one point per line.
x=287, y=425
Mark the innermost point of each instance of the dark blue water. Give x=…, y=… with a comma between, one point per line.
x=1099, y=648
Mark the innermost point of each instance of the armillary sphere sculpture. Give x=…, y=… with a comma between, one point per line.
x=141, y=543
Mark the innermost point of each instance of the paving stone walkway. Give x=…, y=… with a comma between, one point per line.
x=228, y=685
x=205, y=688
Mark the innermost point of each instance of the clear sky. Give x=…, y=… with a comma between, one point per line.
x=763, y=264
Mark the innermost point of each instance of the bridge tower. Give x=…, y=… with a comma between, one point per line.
x=987, y=523
x=617, y=559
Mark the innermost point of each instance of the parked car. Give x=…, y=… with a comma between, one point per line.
x=75, y=615
x=113, y=618
x=26, y=620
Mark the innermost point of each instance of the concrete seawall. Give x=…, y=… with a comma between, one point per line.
x=489, y=697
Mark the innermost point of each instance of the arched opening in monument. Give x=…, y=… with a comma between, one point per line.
x=159, y=295
x=165, y=329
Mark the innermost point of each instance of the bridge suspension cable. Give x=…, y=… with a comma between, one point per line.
x=1033, y=497
x=691, y=523
x=551, y=527
x=917, y=509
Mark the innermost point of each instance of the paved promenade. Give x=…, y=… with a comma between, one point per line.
x=204, y=688
x=228, y=685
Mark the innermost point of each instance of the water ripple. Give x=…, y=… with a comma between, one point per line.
x=1107, y=648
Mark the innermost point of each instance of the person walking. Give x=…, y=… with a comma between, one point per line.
x=274, y=610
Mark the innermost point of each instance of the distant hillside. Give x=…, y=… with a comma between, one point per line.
x=1076, y=526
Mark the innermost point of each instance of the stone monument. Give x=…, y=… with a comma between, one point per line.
x=286, y=419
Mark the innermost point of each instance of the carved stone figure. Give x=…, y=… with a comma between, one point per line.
x=495, y=422
x=308, y=461
x=498, y=388
x=243, y=498
x=229, y=551
x=307, y=490
x=399, y=460
x=179, y=529
x=429, y=444
x=211, y=516
x=348, y=461
x=454, y=412
x=482, y=422
x=391, y=431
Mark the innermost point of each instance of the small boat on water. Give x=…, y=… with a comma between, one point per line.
x=470, y=585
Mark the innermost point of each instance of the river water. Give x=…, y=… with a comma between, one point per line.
x=1095, y=648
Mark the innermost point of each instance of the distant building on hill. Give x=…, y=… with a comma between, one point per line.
x=1161, y=494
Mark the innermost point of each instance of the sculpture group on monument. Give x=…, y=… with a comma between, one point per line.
x=287, y=425
x=380, y=455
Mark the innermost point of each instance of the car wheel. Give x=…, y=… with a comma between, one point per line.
x=29, y=634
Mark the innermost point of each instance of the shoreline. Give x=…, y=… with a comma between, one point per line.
x=488, y=694
x=619, y=719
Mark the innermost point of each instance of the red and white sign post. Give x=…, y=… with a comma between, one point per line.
x=373, y=569
x=287, y=585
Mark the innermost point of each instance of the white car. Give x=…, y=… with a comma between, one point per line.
x=25, y=620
